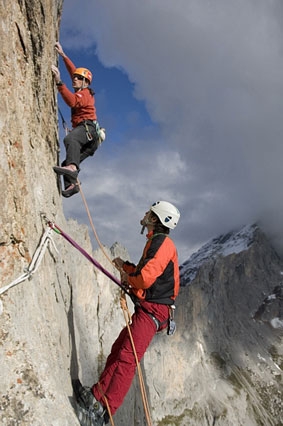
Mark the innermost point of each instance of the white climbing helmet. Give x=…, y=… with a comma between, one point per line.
x=168, y=214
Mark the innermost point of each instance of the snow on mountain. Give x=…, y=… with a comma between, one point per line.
x=224, y=245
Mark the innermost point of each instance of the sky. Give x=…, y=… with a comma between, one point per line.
x=191, y=95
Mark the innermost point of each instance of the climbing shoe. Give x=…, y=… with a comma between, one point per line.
x=65, y=171
x=89, y=411
x=71, y=190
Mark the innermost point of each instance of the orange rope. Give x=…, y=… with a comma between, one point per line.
x=92, y=225
x=127, y=317
x=107, y=405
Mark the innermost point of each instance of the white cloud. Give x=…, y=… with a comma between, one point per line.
x=210, y=73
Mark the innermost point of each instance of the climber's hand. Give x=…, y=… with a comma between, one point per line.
x=59, y=49
x=56, y=73
x=118, y=262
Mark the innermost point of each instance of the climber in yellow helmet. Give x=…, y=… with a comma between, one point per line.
x=86, y=134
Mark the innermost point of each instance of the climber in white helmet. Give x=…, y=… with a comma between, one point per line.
x=154, y=286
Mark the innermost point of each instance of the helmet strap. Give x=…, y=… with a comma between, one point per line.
x=146, y=222
x=82, y=86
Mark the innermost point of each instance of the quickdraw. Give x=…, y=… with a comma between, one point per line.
x=101, y=132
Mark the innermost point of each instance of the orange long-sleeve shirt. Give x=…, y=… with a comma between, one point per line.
x=156, y=277
x=82, y=102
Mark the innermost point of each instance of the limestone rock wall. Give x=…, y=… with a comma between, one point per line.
x=29, y=140
x=50, y=330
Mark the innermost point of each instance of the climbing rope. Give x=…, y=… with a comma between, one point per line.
x=35, y=262
x=106, y=403
x=127, y=317
x=92, y=225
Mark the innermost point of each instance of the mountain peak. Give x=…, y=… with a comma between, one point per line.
x=223, y=245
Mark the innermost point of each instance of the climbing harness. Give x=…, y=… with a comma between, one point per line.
x=158, y=324
x=99, y=131
x=35, y=262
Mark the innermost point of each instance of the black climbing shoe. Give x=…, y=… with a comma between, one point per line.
x=67, y=172
x=89, y=411
x=71, y=191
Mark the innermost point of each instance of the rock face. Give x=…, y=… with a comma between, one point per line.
x=50, y=329
x=224, y=364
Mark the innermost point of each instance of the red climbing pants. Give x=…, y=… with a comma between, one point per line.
x=120, y=367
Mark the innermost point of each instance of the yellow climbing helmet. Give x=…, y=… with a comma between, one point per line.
x=84, y=72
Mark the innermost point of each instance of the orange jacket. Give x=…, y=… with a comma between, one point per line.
x=81, y=102
x=156, y=277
